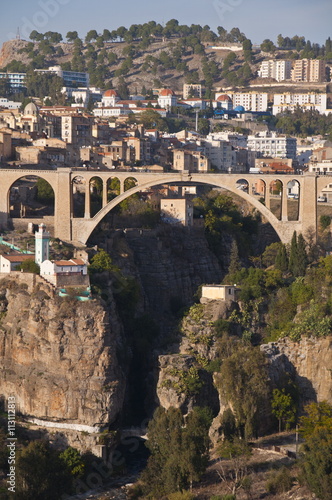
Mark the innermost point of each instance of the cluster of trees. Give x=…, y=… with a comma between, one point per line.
x=222, y=215
x=305, y=47
x=280, y=282
x=304, y=123
x=316, y=461
x=179, y=450
x=43, y=472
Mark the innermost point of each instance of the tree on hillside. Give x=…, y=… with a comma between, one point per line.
x=281, y=260
x=267, y=46
x=283, y=407
x=53, y=36
x=72, y=36
x=41, y=473
x=179, y=450
x=316, y=462
x=91, y=35
x=234, y=260
x=293, y=254
x=35, y=36
x=244, y=384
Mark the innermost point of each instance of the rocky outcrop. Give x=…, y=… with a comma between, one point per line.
x=185, y=379
x=309, y=361
x=58, y=358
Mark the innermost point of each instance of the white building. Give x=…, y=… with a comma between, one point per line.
x=235, y=139
x=272, y=145
x=110, y=98
x=11, y=262
x=251, y=101
x=288, y=101
x=70, y=78
x=279, y=70
x=167, y=99
x=323, y=167
x=111, y=111
x=5, y=103
x=16, y=80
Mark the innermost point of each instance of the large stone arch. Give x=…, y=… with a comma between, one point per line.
x=24, y=175
x=83, y=228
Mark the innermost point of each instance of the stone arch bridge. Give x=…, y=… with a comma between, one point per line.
x=78, y=229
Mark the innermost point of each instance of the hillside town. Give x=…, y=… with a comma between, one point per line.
x=165, y=263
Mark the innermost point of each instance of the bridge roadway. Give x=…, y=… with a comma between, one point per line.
x=74, y=229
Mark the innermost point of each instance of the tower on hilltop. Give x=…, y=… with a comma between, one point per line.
x=42, y=242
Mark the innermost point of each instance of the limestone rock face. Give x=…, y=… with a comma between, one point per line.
x=58, y=357
x=309, y=359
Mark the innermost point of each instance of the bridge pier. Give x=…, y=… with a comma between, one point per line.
x=284, y=203
x=104, y=203
x=267, y=197
x=87, y=205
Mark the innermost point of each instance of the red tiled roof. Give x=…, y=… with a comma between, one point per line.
x=18, y=258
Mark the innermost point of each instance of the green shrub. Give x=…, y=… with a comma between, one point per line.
x=280, y=481
x=325, y=221
x=181, y=495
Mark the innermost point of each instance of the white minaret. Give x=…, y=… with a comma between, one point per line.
x=42, y=240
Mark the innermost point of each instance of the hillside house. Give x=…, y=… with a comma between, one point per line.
x=11, y=262
x=73, y=272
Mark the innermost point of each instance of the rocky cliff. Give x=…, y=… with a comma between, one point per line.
x=309, y=360
x=58, y=357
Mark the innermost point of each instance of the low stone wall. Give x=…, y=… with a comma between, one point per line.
x=22, y=223
x=29, y=279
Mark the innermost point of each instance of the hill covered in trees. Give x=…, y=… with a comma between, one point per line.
x=151, y=55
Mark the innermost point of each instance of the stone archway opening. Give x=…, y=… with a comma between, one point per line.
x=96, y=195
x=32, y=197
x=113, y=188
x=129, y=183
x=275, y=189
x=293, y=200
x=243, y=185
x=78, y=196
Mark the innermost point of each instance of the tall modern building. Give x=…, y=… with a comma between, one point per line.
x=279, y=70
x=70, y=78
x=16, y=80
x=308, y=70
x=251, y=101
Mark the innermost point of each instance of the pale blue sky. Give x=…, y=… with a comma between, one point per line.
x=258, y=19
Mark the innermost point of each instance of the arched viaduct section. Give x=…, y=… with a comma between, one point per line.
x=82, y=228
x=74, y=229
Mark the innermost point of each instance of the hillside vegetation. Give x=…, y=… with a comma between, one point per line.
x=151, y=55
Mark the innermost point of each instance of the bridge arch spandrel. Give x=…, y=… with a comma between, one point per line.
x=83, y=229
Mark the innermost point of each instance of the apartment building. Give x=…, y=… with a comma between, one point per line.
x=16, y=80
x=288, y=101
x=279, y=70
x=192, y=90
x=70, y=78
x=251, y=101
x=76, y=130
x=272, y=145
x=193, y=161
x=308, y=70
x=219, y=152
